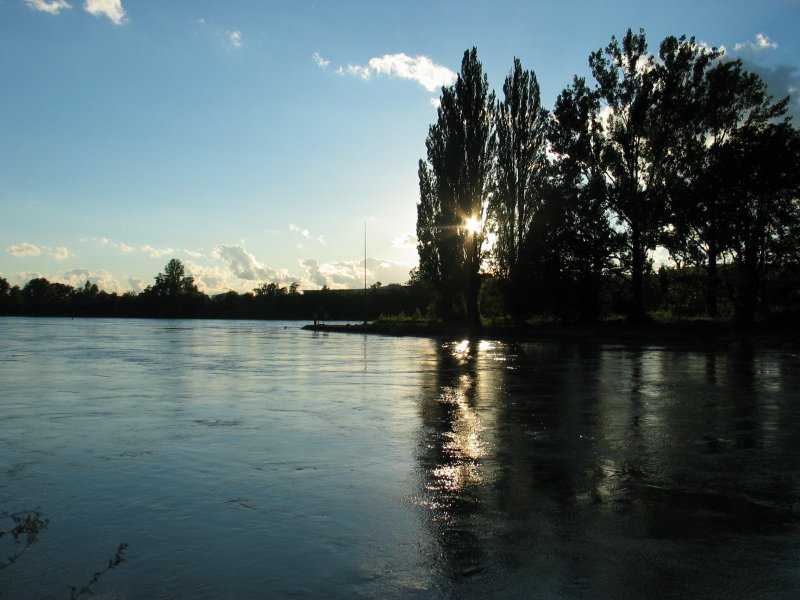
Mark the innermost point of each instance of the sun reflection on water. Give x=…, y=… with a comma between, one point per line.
x=461, y=444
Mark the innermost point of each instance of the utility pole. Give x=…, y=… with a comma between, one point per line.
x=365, y=271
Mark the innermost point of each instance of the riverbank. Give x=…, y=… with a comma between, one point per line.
x=695, y=333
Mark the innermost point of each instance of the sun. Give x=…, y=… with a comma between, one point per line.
x=473, y=225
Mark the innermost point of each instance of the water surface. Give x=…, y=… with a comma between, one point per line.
x=254, y=459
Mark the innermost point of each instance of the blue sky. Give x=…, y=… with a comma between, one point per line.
x=253, y=139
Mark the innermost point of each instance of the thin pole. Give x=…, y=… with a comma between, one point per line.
x=365, y=271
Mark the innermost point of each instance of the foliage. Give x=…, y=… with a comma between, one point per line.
x=113, y=563
x=25, y=530
x=683, y=150
x=520, y=179
x=454, y=190
x=580, y=217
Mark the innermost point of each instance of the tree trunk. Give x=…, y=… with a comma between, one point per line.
x=711, y=281
x=637, y=275
x=473, y=283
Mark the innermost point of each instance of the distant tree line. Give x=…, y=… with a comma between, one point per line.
x=559, y=212
x=175, y=295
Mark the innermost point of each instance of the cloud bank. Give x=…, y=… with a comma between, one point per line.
x=244, y=265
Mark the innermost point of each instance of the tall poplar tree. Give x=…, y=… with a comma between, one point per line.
x=454, y=190
x=520, y=177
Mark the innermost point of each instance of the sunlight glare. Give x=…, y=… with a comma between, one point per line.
x=473, y=225
x=461, y=348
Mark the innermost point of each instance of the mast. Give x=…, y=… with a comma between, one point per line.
x=365, y=271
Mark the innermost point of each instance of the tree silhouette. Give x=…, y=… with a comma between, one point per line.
x=174, y=293
x=716, y=103
x=581, y=230
x=520, y=179
x=454, y=189
x=635, y=147
x=173, y=282
x=763, y=186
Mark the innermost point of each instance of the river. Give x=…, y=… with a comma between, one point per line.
x=254, y=459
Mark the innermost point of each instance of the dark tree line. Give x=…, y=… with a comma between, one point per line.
x=684, y=150
x=175, y=295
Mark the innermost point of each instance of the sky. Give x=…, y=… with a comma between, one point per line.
x=256, y=141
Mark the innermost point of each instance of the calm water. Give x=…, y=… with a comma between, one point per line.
x=254, y=459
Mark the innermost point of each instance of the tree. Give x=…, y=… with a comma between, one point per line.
x=762, y=192
x=173, y=282
x=270, y=290
x=520, y=177
x=42, y=297
x=455, y=187
x=174, y=293
x=635, y=149
x=580, y=223
x=715, y=101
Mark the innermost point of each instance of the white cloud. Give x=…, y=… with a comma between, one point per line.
x=415, y=68
x=52, y=7
x=245, y=266
x=24, y=249
x=230, y=39
x=135, y=284
x=311, y=267
x=194, y=253
x=213, y=280
x=407, y=240
x=156, y=252
x=111, y=9
x=27, y=249
x=350, y=274
x=121, y=246
x=60, y=253
x=762, y=42
x=235, y=38
x=103, y=279
x=305, y=233
x=319, y=61
x=419, y=69
x=355, y=70
x=436, y=102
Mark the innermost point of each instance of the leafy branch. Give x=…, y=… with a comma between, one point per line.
x=113, y=563
x=25, y=531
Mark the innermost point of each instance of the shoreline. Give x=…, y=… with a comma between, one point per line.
x=694, y=334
